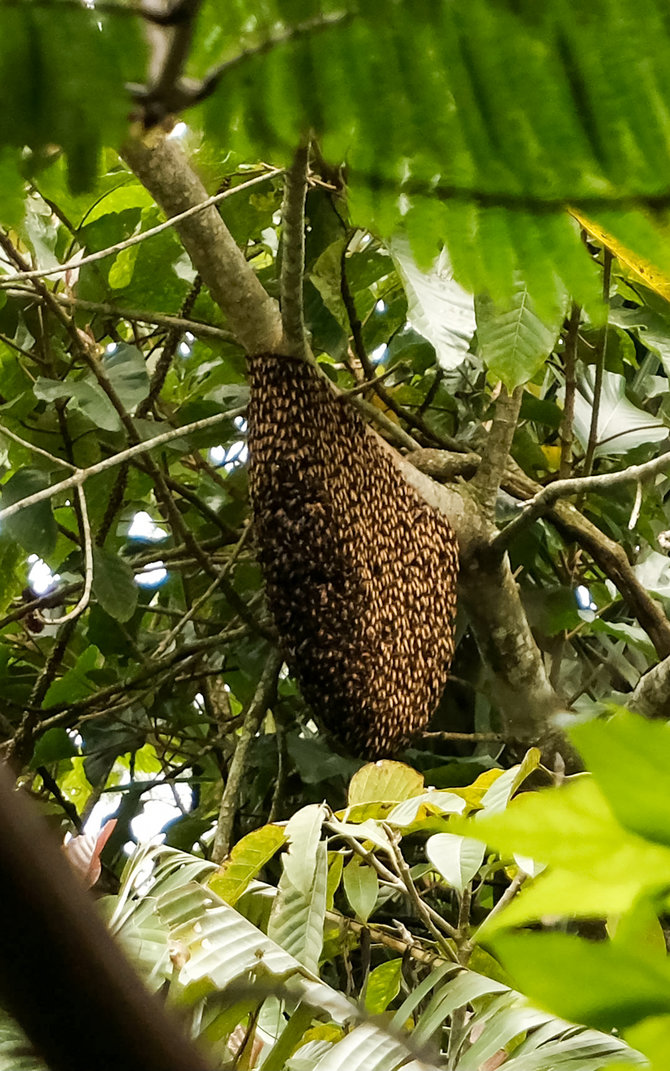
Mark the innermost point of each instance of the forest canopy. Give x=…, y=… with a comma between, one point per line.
x=459, y=212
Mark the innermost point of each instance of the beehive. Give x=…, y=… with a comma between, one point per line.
x=360, y=572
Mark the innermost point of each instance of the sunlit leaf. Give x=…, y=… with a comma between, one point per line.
x=245, y=860
x=456, y=858
x=386, y=782
x=361, y=885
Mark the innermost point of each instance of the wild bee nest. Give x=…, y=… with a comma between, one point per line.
x=360, y=572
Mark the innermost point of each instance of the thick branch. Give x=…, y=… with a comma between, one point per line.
x=494, y=458
x=652, y=693
x=520, y=688
x=253, y=316
x=545, y=497
x=608, y=555
x=61, y=975
x=293, y=256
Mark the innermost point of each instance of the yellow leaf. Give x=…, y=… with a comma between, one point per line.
x=645, y=271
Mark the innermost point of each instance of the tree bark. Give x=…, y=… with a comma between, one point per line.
x=252, y=315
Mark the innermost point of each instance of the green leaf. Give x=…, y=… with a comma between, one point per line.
x=245, y=861
x=383, y=986
x=498, y=795
x=362, y=887
x=564, y=894
x=12, y=577
x=114, y=584
x=598, y=984
x=456, y=858
x=87, y=397
x=75, y=684
x=384, y=782
x=629, y=757
x=298, y=914
x=335, y=868
x=513, y=341
x=121, y=271
x=326, y=275
x=573, y=828
x=622, y=426
x=435, y=802
x=34, y=527
x=299, y=908
x=437, y=307
x=52, y=746
x=128, y=375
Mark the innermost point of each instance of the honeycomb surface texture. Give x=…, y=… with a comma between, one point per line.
x=360, y=572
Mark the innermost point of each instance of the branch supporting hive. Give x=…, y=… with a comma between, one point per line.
x=360, y=572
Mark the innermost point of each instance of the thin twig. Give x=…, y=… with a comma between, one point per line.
x=474, y=738
x=153, y=319
x=37, y=449
x=80, y=476
x=84, y=600
x=136, y=239
x=570, y=365
x=223, y=575
x=433, y=921
x=414, y=421
x=257, y=710
x=542, y=502
x=601, y=354
x=506, y=898
x=295, y=33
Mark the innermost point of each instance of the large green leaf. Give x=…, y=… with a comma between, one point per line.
x=114, y=584
x=84, y=395
x=384, y=782
x=246, y=859
x=34, y=528
x=513, y=340
x=622, y=425
x=362, y=887
x=298, y=913
x=128, y=375
x=630, y=759
x=437, y=307
x=616, y=987
x=456, y=858
x=59, y=104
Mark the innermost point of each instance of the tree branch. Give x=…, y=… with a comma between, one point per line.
x=294, y=341
x=608, y=555
x=175, y=220
x=543, y=500
x=651, y=696
x=80, y=476
x=601, y=353
x=85, y=597
x=569, y=363
x=258, y=708
x=487, y=479
x=252, y=315
x=153, y=319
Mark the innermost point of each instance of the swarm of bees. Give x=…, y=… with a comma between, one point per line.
x=360, y=572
